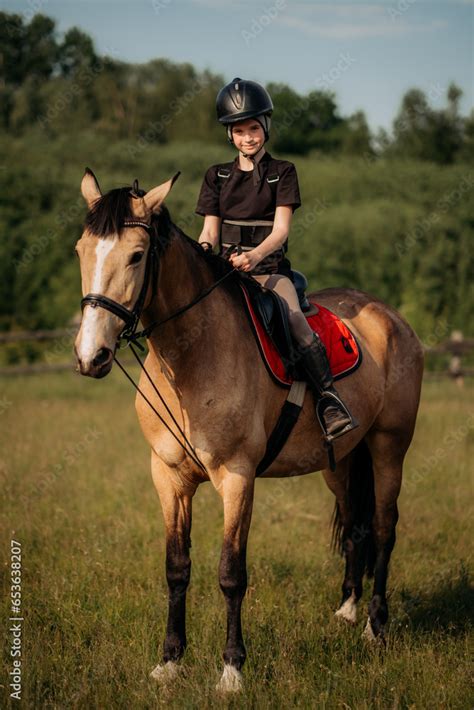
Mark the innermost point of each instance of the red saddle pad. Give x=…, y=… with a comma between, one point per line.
x=342, y=348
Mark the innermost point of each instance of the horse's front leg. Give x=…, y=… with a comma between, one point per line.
x=176, y=502
x=236, y=489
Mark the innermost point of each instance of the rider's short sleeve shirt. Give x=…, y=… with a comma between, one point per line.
x=237, y=197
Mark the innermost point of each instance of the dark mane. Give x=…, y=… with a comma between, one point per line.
x=218, y=265
x=108, y=214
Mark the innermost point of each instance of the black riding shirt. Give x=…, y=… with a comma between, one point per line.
x=237, y=197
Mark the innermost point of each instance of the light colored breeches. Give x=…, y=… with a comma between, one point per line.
x=299, y=327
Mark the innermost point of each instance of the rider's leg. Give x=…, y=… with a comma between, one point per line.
x=282, y=285
x=313, y=356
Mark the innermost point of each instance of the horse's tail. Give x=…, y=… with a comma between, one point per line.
x=361, y=499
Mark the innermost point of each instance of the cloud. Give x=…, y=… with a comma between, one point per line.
x=355, y=21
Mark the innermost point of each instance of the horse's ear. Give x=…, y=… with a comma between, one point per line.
x=155, y=198
x=90, y=188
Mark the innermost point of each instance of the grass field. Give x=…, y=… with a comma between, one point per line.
x=78, y=495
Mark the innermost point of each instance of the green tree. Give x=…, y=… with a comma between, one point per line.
x=76, y=52
x=421, y=132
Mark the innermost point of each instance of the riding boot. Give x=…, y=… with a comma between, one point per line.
x=332, y=413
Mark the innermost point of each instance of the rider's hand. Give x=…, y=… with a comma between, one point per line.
x=247, y=261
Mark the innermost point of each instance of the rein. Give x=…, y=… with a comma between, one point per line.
x=131, y=319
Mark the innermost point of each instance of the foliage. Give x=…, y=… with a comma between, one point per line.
x=399, y=229
x=390, y=215
x=63, y=86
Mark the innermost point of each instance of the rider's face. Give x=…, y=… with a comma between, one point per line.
x=248, y=136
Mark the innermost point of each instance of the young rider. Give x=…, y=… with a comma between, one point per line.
x=250, y=203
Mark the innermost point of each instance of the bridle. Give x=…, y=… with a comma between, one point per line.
x=131, y=319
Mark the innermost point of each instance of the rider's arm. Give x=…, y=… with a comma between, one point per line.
x=211, y=230
x=279, y=233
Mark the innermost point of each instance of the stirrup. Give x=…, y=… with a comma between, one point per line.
x=325, y=400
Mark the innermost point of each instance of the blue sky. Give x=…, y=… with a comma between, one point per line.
x=368, y=53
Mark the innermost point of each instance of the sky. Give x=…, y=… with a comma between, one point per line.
x=368, y=53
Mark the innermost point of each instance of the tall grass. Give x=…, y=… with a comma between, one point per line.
x=77, y=493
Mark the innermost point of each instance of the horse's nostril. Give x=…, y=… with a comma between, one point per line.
x=103, y=356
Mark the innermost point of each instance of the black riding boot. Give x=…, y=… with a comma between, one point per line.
x=334, y=416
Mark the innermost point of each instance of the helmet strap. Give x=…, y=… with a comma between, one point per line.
x=256, y=176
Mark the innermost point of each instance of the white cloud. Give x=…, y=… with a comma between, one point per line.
x=355, y=21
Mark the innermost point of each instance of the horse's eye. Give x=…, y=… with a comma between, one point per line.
x=136, y=257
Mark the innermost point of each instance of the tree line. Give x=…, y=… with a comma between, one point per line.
x=392, y=216
x=59, y=84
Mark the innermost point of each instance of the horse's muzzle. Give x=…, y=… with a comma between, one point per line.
x=97, y=366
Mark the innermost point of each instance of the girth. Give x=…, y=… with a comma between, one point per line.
x=246, y=233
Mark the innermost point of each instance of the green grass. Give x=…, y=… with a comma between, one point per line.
x=77, y=493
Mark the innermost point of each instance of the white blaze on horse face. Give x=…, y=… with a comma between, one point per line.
x=102, y=250
x=94, y=332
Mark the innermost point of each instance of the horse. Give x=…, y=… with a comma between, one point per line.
x=204, y=361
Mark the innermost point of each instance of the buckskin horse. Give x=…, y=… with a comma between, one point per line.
x=205, y=364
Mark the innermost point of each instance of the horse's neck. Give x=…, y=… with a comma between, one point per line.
x=195, y=338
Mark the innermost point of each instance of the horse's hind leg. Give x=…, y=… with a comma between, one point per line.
x=176, y=506
x=352, y=484
x=388, y=450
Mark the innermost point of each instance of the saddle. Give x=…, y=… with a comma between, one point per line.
x=268, y=318
x=268, y=315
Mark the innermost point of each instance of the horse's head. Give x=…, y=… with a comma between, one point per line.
x=115, y=252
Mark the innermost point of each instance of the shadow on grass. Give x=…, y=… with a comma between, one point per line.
x=448, y=607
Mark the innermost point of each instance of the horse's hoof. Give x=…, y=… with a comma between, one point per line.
x=348, y=611
x=231, y=680
x=369, y=636
x=165, y=673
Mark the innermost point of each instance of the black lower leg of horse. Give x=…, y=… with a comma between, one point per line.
x=352, y=484
x=385, y=521
x=233, y=582
x=178, y=572
x=352, y=584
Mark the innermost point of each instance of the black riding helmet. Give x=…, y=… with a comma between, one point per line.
x=243, y=99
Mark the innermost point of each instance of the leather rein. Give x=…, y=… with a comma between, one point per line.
x=131, y=319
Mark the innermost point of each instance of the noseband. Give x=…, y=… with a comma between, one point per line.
x=131, y=317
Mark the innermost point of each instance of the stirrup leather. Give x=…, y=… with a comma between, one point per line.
x=324, y=401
